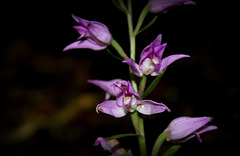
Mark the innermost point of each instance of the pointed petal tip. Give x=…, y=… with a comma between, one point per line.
x=134, y=67
x=65, y=49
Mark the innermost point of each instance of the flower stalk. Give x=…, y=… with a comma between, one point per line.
x=142, y=85
x=161, y=138
x=130, y=31
x=139, y=128
x=136, y=119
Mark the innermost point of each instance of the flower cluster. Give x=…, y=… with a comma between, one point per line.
x=126, y=94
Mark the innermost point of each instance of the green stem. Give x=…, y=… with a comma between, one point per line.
x=136, y=119
x=119, y=49
x=130, y=31
x=142, y=84
x=139, y=128
x=161, y=138
x=141, y=18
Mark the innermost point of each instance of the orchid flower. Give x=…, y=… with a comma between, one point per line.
x=162, y=6
x=112, y=146
x=127, y=100
x=96, y=34
x=184, y=128
x=151, y=62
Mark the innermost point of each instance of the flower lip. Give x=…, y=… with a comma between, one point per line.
x=148, y=66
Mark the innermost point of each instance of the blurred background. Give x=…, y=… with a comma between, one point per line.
x=48, y=108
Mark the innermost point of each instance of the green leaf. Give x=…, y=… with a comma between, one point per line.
x=153, y=85
x=122, y=135
x=120, y=6
x=171, y=151
x=141, y=18
x=147, y=26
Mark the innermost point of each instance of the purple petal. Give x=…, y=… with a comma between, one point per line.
x=162, y=6
x=100, y=32
x=205, y=128
x=110, y=107
x=157, y=41
x=81, y=30
x=107, y=86
x=149, y=107
x=168, y=60
x=134, y=67
x=112, y=146
x=132, y=91
x=84, y=44
x=182, y=127
x=158, y=50
x=120, y=100
x=145, y=53
x=80, y=20
x=105, y=145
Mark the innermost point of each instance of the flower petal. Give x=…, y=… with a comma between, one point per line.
x=110, y=107
x=80, y=20
x=132, y=91
x=168, y=60
x=158, y=50
x=107, y=86
x=84, y=44
x=205, y=128
x=100, y=32
x=112, y=146
x=182, y=127
x=157, y=41
x=134, y=67
x=81, y=30
x=149, y=107
x=162, y=6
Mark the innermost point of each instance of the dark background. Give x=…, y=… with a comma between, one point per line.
x=48, y=108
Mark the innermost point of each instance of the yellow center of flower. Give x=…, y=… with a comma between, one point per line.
x=155, y=61
x=127, y=99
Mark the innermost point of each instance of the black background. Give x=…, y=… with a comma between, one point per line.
x=41, y=86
